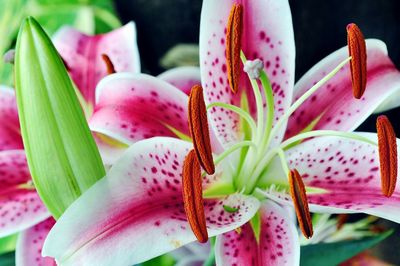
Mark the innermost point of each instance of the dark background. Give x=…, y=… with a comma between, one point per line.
x=319, y=28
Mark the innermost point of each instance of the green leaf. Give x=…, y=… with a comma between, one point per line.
x=8, y=243
x=335, y=253
x=62, y=156
x=165, y=260
x=7, y=259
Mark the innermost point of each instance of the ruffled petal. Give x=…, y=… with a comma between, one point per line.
x=29, y=245
x=278, y=241
x=20, y=205
x=134, y=107
x=136, y=212
x=267, y=35
x=334, y=102
x=184, y=78
x=10, y=136
x=82, y=54
x=341, y=175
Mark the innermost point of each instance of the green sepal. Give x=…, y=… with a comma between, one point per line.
x=335, y=253
x=62, y=155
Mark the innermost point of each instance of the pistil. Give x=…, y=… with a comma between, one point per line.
x=193, y=198
x=387, y=147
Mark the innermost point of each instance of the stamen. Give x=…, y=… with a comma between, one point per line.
x=387, y=147
x=198, y=126
x=233, y=43
x=109, y=64
x=358, y=64
x=193, y=198
x=342, y=219
x=299, y=197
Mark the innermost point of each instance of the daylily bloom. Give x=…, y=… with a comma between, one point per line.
x=21, y=209
x=136, y=212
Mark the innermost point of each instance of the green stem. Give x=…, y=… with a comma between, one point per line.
x=304, y=97
x=330, y=133
x=239, y=111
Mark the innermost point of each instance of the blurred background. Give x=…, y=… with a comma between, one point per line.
x=319, y=28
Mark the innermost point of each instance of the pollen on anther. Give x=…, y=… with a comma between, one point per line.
x=109, y=64
x=233, y=45
x=199, y=131
x=358, y=63
x=387, y=147
x=193, y=196
x=299, y=197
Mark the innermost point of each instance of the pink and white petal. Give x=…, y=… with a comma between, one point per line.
x=278, y=241
x=342, y=176
x=29, y=245
x=136, y=212
x=10, y=136
x=344, y=113
x=237, y=247
x=13, y=169
x=20, y=209
x=110, y=149
x=82, y=54
x=184, y=78
x=267, y=35
x=20, y=206
x=134, y=107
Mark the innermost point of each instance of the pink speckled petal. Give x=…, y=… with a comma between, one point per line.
x=348, y=172
x=184, y=78
x=20, y=207
x=29, y=245
x=335, y=101
x=10, y=137
x=278, y=244
x=268, y=35
x=136, y=212
x=134, y=107
x=110, y=150
x=82, y=53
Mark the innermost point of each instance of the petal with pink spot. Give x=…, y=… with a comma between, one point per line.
x=136, y=212
x=278, y=241
x=10, y=136
x=29, y=245
x=267, y=35
x=134, y=107
x=342, y=175
x=184, y=78
x=20, y=205
x=82, y=54
x=344, y=113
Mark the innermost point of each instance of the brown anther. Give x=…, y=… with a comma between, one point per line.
x=198, y=126
x=233, y=45
x=387, y=147
x=298, y=192
x=193, y=196
x=109, y=64
x=358, y=63
x=342, y=219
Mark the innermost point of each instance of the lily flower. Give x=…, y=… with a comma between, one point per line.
x=282, y=145
x=21, y=209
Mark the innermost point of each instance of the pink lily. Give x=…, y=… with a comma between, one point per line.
x=137, y=213
x=21, y=209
